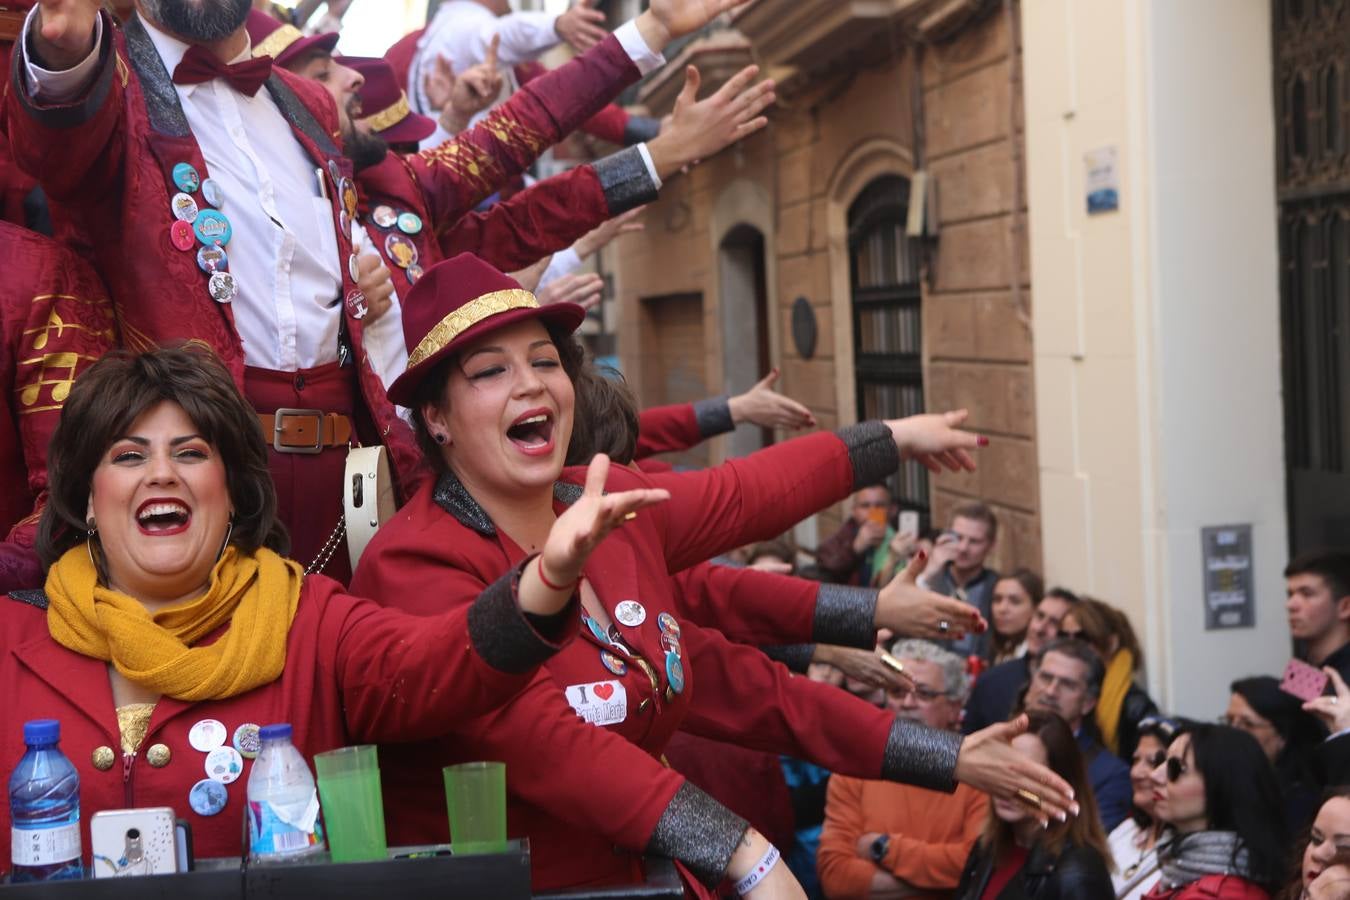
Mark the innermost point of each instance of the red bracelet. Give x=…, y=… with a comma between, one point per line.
x=544, y=578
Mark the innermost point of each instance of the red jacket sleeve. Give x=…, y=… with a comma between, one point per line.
x=748, y=605
x=463, y=171
x=667, y=429
x=844, y=875
x=609, y=124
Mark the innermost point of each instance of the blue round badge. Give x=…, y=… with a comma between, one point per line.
x=212, y=258
x=207, y=797
x=409, y=223
x=185, y=177
x=596, y=630
x=212, y=227
x=212, y=193
x=675, y=672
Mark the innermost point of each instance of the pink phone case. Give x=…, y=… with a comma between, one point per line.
x=1303, y=681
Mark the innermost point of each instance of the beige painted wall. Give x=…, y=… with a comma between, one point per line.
x=1157, y=326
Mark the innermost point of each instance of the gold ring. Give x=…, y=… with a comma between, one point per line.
x=630, y=517
x=1029, y=798
x=893, y=663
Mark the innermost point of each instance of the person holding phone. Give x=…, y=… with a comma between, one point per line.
x=854, y=553
x=957, y=569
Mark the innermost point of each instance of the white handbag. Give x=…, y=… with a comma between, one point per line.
x=367, y=497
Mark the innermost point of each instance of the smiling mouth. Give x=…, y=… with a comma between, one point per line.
x=532, y=433
x=163, y=517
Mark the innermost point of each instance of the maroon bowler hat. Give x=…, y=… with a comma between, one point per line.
x=384, y=105
x=284, y=43
x=459, y=300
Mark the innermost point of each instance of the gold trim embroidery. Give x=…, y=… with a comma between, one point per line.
x=467, y=316
x=276, y=43
x=389, y=116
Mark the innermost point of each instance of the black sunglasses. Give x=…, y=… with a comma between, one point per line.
x=1176, y=767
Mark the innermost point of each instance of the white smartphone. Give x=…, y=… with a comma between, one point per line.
x=134, y=842
x=909, y=522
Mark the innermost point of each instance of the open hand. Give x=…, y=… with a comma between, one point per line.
x=582, y=288
x=935, y=441
x=64, y=32
x=581, y=26
x=909, y=610
x=700, y=128
x=765, y=407
x=599, y=237
x=666, y=20
x=439, y=83
x=864, y=666
x=988, y=762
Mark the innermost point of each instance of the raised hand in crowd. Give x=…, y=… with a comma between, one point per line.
x=700, y=128
x=865, y=666
x=936, y=442
x=467, y=93
x=581, y=26
x=375, y=283
x=665, y=20
x=582, y=288
x=988, y=762
x=1333, y=710
x=599, y=237
x=870, y=535
x=577, y=532
x=908, y=609
x=528, y=277
x=765, y=407
x=944, y=551
x=65, y=32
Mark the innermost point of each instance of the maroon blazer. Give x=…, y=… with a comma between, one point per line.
x=55, y=321
x=670, y=429
x=597, y=796
x=349, y=665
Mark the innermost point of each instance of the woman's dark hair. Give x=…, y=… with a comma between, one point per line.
x=432, y=388
x=1065, y=759
x=1301, y=732
x=1241, y=795
x=606, y=419
x=1003, y=645
x=116, y=391
x=1294, y=889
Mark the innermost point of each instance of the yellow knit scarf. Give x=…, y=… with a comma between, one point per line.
x=1119, y=677
x=257, y=595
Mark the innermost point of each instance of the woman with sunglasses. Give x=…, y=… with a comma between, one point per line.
x=1134, y=842
x=1226, y=837
x=1016, y=857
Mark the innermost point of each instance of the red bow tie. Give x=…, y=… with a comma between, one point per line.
x=200, y=65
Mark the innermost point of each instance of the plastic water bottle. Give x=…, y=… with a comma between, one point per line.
x=44, y=808
x=283, y=805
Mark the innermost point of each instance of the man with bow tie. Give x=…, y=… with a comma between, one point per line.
x=212, y=194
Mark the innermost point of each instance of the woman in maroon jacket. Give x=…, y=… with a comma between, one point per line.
x=490, y=384
x=171, y=622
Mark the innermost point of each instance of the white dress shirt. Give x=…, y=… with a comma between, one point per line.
x=283, y=252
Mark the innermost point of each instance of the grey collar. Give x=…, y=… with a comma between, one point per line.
x=452, y=496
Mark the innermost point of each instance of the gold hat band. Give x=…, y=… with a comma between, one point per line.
x=389, y=116
x=276, y=43
x=467, y=316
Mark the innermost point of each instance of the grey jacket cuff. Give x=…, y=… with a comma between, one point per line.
x=845, y=616
x=626, y=180
x=501, y=633
x=872, y=450
x=713, y=415
x=639, y=129
x=699, y=832
x=797, y=657
x=921, y=756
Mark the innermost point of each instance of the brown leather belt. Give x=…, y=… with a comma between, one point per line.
x=305, y=430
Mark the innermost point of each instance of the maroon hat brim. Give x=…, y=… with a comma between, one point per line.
x=568, y=315
x=411, y=129
x=297, y=51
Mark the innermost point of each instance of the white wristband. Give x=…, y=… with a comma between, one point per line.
x=759, y=872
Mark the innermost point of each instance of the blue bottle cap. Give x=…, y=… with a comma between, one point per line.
x=273, y=732
x=41, y=731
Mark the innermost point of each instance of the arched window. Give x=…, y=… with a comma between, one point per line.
x=887, y=329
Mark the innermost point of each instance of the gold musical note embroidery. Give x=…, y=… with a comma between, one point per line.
x=55, y=369
x=42, y=334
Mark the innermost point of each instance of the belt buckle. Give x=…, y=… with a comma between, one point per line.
x=306, y=449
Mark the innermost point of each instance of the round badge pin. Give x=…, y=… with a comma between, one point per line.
x=668, y=624
x=611, y=662
x=675, y=672
x=354, y=267
x=670, y=643
x=212, y=193
x=345, y=225
x=207, y=797
x=630, y=613
x=184, y=208
x=409, y=223
x=159, y=755
x=207, y=735
x=384, y=216
x=401, y=250
x=596, y=630
x=356, y=305
x=222, y=287
x=224, y=764
x=247, y=740
x=212, y=258
x=185, y=177
x=181, y=235
x=212, y=227
x=334, y=171
x=347, y=191
x=414, y=273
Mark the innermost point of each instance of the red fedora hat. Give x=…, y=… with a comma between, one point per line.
x=384, y=105
x=286, y=44
x=457, y=301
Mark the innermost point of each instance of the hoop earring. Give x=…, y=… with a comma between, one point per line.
x=91, y=528
x=229, y=530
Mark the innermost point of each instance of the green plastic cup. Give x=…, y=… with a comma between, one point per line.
x=475, y=794
x=353, y=808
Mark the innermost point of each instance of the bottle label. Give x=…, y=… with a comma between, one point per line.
x=274, y=829
x=44, y=846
